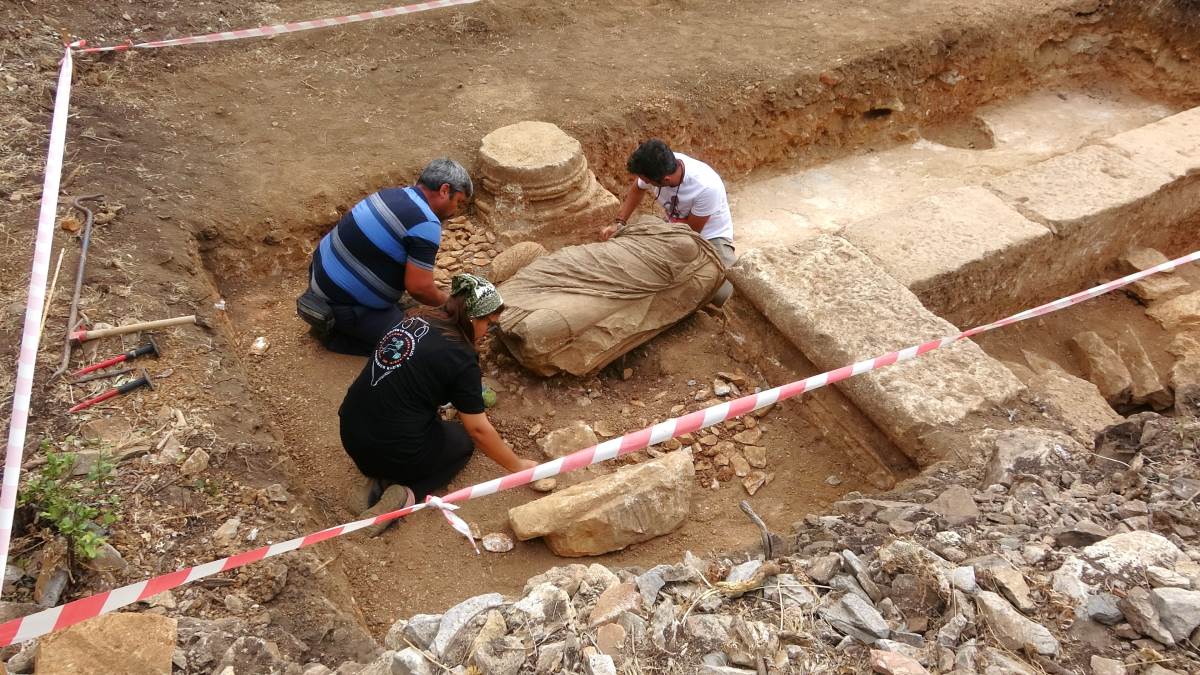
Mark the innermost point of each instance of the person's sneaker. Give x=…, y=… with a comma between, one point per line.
x=395, y=497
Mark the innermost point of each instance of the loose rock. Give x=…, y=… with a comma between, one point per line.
x=634, y=504
x=1013, y=630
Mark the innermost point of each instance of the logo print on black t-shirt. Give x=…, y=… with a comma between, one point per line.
x=396, y=347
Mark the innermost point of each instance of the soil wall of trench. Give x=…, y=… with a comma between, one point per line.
x=877, y=99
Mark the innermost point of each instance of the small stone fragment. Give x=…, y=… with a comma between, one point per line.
x=892, y=663
x=497, y=542
x=610, y=639
x=1013, y=630
x=196, y=464
x=749, y=437
x=956, y=506
x=756, y=455
x=741, y=467
x=1103, y=608
x=1083, y=533
x=562, y=442
x=755, y=481
x=1139, y=610
x=1178, y=610
x=544, y=485
x=1103, y=666
x=612, y=602
x=225, y=535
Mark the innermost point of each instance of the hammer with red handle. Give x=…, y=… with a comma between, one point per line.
x=143, y=381
x=151, y=347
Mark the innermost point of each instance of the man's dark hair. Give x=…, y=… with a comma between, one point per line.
x=653, y=159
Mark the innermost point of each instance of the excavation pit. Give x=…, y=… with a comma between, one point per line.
x=839, y=154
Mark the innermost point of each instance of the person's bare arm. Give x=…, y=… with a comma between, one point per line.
x=418, y=281
x=693, y=221
x=633, y=197
x=485, y=437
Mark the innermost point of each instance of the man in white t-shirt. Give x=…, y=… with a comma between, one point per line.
x=689, y=191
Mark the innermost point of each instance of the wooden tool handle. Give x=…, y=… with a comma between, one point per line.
x=85, y=335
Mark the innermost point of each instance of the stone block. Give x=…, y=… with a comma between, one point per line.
x=1158, y=288
x=957, y=250
x=114, y=643
x=1147, y=386
x=1071, y=191
x=1103, y=367
x=1073, y=401
x=1185, y=380
x=837, y=307
x=1171, y=144
x=631, y=505
x=1140, y=260
x=1025, y=451
x=1180, y=313
x=1100, y=203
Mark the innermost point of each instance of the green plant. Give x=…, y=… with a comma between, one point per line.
x=76, y=508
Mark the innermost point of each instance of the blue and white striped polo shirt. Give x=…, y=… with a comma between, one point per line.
x=361, y=261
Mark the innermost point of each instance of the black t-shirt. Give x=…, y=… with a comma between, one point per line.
x=415, y=369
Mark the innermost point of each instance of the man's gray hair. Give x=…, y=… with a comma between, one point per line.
x=445, y=171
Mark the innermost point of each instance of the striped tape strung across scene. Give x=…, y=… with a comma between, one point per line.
x=57, y=618
x=281, y=28
x=31, y=336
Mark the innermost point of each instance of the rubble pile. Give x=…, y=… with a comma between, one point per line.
x=1050, y=558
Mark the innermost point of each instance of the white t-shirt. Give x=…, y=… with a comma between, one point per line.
x=702, y=193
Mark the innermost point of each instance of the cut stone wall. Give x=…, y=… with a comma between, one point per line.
x=837, y=306
x=977, y=254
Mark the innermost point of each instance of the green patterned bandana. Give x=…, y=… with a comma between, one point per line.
x=482, y=298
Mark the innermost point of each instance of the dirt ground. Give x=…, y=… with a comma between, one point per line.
x=694, y=351
x=231, y=160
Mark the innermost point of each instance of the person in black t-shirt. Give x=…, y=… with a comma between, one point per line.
x=389, y=419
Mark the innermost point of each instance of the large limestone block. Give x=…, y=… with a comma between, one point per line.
x=962, y=252
x=1073, y=401
x=838, y=307
x=1171, y=144
x=632, y=505
x=114, y=643
x=1079, y=189
x=1148, y=387
x=1180, y=313
x=1103, y=367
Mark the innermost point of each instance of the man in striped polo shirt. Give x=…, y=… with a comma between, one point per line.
x=386, y=245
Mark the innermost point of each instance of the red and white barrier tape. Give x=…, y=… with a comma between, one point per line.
x=31, y=336
x=71, y=613
x=281, y=28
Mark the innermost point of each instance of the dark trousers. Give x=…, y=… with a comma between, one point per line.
x=357, y=329
x=425, y=472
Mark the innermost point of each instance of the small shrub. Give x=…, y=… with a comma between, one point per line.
x=76, y=508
